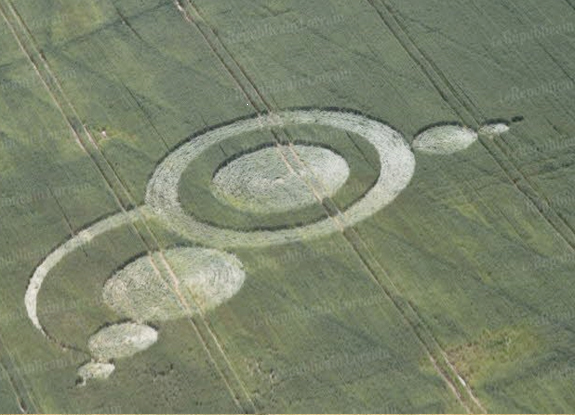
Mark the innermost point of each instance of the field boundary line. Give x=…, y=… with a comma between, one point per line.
x=512, y=172
x=451, y=384
x=97, y=30
x=188, y=18
x=413, y=320
x=191, y=20
x=69, y=122
x=570, y=4
x=175, y=284
x=450, y=373
x=541, y=203
x=259, y=111
x=12, y=372
x=519, y=180
x=19, y=400
x=242, y=70
x=268, y=107
x=114, y=173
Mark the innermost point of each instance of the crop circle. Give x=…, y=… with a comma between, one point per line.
x=396, y=160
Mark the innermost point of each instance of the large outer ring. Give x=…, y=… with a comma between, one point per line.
x=397, y=167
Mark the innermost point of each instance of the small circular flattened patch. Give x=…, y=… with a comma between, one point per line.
x=121, y=340
x=444, y=139
x=94, y=370
x=494, y=129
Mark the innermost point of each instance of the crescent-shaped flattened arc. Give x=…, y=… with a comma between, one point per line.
x=81, y=239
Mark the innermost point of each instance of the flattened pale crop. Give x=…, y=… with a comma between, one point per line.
x=272, y=180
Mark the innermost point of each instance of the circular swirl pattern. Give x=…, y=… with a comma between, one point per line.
x=206, y=278
x=397, y=167
x=274, y=179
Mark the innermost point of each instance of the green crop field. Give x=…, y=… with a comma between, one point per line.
x=287, y=206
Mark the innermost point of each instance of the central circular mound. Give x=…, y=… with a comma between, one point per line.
x=280, y=178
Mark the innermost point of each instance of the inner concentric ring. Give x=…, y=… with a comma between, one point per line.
x=396, y=160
